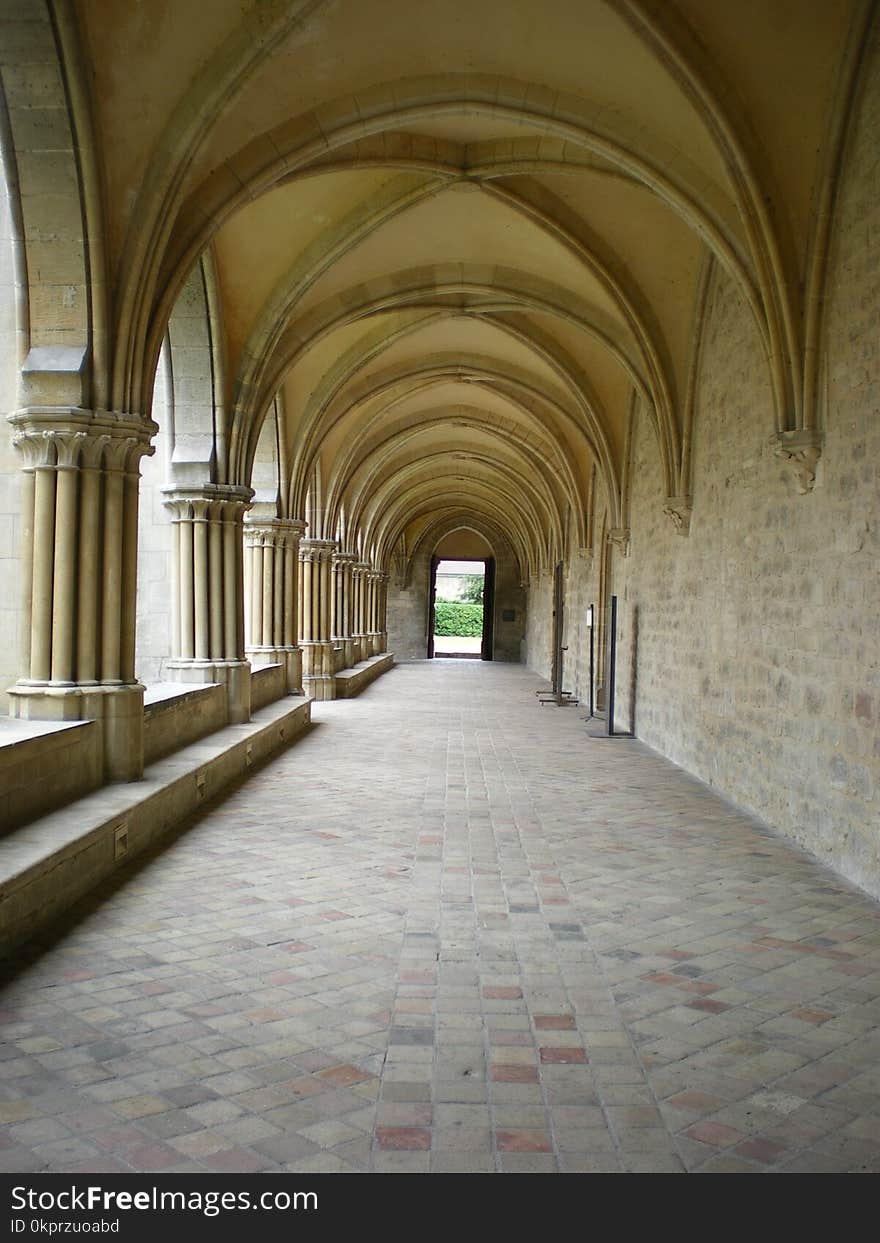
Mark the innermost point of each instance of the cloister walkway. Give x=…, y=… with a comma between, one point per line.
x=446, y=931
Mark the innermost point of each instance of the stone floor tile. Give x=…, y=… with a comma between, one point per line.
x=522, y=938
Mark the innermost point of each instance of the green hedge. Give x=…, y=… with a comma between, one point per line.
x=461, y=620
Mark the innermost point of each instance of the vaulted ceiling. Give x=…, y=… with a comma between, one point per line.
x=454, y=243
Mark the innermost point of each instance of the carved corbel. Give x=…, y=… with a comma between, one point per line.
x=801, y=450
x=619, y=537
x=678, y=510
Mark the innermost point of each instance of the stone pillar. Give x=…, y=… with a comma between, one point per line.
x=207, y=624
x=361, y=647
x=382, y=612
x=343, y=563
x=80, y=575
x=315, y=607
x=271, y=577
x=374, y=638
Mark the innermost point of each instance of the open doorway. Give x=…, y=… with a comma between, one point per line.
x=461, y=614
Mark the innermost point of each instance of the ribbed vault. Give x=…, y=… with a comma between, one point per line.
x=450, y=262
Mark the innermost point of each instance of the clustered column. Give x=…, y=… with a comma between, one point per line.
x=80, y=509
x=382, y=612
x=315, y=606
x=376, y=594
x=343, y=604
x=361, y=647
x=207, y=590
x=271, y=580
x=372, y=583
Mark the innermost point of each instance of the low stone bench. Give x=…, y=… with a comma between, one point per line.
x=177, y=714
x=352, y=681
x=268, y=683
x=48, y=864
x=43, y=765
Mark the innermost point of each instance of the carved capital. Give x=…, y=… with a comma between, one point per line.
x=678, y=510
x=257, y=534
x=223, y=501
x=93, y=451
x=68, y=437
x=119, y=451
x=801, y=451
x=619, y=537
x=316, y=549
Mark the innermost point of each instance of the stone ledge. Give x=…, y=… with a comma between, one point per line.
x=159, y=695
x=43, y=764
x=350, y=682
x=177, y=714
x=268, y=683
x=47, y=865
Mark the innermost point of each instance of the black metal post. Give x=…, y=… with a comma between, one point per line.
x=592, y=656
x=612, y=658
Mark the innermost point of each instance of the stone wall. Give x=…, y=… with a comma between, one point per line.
x=408, y=611
x=749, y=650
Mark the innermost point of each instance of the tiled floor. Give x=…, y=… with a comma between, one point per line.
x=449, y=931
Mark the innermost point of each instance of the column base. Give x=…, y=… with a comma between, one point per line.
x=318, y=670
x=320, y=687
x=290, y=657
x=235, y=675
x=118, y=709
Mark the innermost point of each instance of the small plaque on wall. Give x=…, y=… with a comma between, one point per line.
x=508, y=615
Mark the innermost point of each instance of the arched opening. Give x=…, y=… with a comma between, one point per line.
x=461, y=609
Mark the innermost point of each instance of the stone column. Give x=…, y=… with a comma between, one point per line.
x=360, y=623
x=372, y=578
x=314, y=612
x=342, y=605
x=80, y=575
x=382, y=612
x=271, y=576
x=207, y=591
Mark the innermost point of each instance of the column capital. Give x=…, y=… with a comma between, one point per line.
x=316, y=549
x=282, y=532
x=68, y=437
x=344, y=558
x=230, y=501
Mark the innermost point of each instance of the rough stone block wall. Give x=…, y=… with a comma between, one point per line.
x=538, y=645
x=408, y=611
x=749, y=650
x=580, y=590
